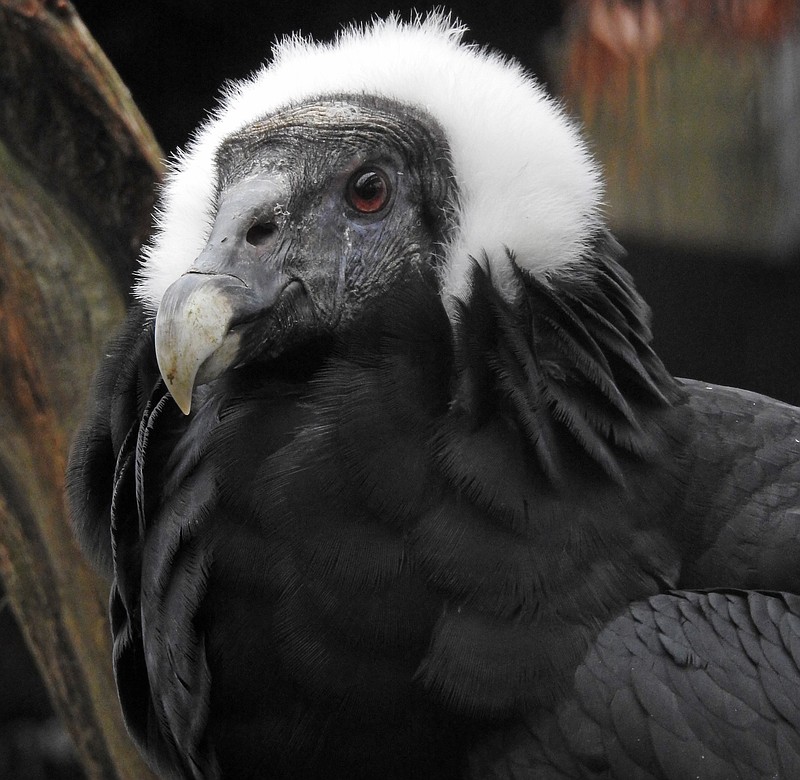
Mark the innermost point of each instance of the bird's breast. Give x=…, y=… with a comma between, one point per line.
x=306, y=604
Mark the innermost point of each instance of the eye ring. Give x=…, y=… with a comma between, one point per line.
x=369, y=190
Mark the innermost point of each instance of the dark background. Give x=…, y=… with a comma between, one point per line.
x=725, y=319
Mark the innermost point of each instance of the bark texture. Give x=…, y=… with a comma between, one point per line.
x=77, y=169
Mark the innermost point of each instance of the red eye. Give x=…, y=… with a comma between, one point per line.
x=368, y=190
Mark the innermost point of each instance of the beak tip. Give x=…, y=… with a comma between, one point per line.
x=180, y=383
x=185, y=404
x=181, y=395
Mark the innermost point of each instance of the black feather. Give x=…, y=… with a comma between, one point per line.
x=575, y=371
x=431, y=546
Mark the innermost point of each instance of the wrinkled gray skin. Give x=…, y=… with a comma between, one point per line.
x=283, y=220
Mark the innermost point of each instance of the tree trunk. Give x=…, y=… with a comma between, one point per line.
x=77, y=168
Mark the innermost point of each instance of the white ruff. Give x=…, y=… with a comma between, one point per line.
x=526, y=180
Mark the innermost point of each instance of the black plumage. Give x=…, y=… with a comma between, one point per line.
x=689, y=684
x=409, y=534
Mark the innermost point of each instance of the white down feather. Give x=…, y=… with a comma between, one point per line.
x=526, y=180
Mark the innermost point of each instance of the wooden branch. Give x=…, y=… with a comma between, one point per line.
x=77, y=169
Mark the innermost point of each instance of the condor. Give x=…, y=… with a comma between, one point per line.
x=385, y=475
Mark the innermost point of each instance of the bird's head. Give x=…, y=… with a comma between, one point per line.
x=319, y=211
x=340, y=171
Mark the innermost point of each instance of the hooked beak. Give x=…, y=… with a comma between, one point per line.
x=195, y=339
x=208, y=323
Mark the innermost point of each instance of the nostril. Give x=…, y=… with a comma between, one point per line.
x=260, y=233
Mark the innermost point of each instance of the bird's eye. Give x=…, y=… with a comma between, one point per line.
x=368, y=190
